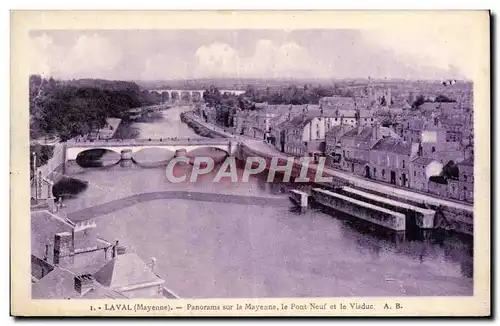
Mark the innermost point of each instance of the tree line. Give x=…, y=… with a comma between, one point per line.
x=72, y=108
x=293, y=94
x=421, y=99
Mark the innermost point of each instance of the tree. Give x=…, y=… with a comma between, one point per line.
x=212, y=96
x=383, y=101
x=418, y=101
x=69, y=110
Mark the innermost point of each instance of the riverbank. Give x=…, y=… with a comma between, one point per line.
x=450, y=215
x=201, y=129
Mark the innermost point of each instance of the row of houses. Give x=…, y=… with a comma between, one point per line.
x=411, y=152
x=380, y=154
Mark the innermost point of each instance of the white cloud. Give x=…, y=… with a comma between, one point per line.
x=89, y=56
x=268, y=60
x=216, y=60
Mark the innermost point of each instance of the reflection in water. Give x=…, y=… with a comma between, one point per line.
x=97, y=157
x=210, y=249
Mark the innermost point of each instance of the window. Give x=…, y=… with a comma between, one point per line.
x=403, y=164
x=433, y=149
x=414, y=173
x=465, y=177
x=374, y=171
x=383, y=173
x=372, y=119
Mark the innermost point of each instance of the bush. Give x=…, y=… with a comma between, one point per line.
x=43, y=154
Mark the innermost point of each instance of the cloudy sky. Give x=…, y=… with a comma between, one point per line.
x=179, y=54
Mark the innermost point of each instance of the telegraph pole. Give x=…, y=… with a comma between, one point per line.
x=35, y=177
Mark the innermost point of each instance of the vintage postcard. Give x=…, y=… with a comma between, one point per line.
x=233, y=163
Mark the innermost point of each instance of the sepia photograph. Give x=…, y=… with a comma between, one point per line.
x=282, y=170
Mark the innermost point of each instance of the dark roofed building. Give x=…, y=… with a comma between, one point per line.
x=356, y=144
x=389, y=161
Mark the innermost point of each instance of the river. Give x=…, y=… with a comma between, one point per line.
x=209, y=249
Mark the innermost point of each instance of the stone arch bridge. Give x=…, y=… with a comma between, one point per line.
x=73, y=148
x=190, y=94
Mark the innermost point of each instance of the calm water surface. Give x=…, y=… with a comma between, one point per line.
x=207, y=249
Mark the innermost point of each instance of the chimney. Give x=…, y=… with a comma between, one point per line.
x=63, y=246
x=114, y=248
x=153, y=264
x=46, y=255
x=375, y=131
x=121, y=250
x=84, y=283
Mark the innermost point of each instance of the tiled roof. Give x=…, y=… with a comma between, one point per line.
x=86, y=263
x=402, y=148
x=347, y=113
x=44, y=226
x=125, y=270
x=393, y=145
x=384, y=144
x=360, y=133
x=423, y=160
x=60, y=284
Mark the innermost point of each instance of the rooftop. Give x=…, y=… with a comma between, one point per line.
x=60, y=284
x=360, y=133
x=394, y=146
x=124, y=271
x=423, y=160
x=44, y=226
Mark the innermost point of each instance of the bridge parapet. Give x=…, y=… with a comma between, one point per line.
x=155, y=142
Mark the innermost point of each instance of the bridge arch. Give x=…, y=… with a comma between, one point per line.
x=174, y=95
x=97, y=157
x=185, y=95
x=165, y=96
